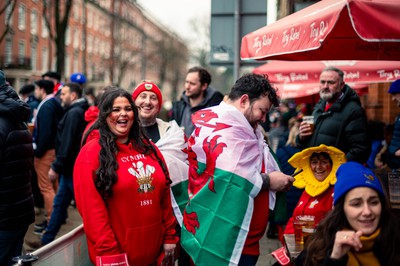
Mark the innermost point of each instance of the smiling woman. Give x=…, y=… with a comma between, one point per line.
x=319, y=165
x=120, y=119
x=119, y=175
x=361, y=230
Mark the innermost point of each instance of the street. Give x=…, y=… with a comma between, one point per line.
x=74, y=220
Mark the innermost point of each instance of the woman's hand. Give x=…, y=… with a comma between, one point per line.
x=344, y=241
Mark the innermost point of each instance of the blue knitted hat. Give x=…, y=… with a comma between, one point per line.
x=351, y=175
x=395, y=87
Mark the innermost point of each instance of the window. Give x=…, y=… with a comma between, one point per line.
x=21, y=52
x=68, y=36
x=7, y=14
x=89, y=18
x=8, y=51
x=45, y=59
x=76, y=38
x=89, y=43
x=21, y=17
x=67, y=66
x=34, y=21
x=45, y=31
x=75, y=64
x=75, y=11
x=33, y=57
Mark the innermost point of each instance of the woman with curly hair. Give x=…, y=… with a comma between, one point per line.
x=122, y=187
x=361, y=230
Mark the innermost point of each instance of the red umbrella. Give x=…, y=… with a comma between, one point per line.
x=330, y=30
x=298, y=90
x=289, y=72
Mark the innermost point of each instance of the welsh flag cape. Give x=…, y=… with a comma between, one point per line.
x=225, y=161
x=173, y=148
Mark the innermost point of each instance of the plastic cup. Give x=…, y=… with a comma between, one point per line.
x=303, y=227
x=31, y=127
x=309, y=119
x=394, y=187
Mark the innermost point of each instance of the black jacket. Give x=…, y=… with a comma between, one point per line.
x=16, y=162
x=181, y=110
x=47, y=119
x=343, y=126
x=69, y=136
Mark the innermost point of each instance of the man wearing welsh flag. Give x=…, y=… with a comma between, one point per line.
x=232, y=177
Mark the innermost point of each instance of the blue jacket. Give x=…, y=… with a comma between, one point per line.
x=47, y=119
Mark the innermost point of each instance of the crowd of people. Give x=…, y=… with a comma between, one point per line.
x=203, y=187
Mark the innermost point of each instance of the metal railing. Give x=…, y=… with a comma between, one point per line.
x=68, y=250
x=16, y=62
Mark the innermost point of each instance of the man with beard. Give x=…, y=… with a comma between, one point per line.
x=197, y=95
x=68, y=144
x=339, y=119
x=233, y=177
x=393, y=159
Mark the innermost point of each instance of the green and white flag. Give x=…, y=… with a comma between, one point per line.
x=225, y=162
x=173, y=147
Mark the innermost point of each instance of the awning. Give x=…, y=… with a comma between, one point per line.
x=330, y=30
x=291, y=91
x=299, y=72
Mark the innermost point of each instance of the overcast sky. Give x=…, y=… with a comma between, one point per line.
x=177, y=14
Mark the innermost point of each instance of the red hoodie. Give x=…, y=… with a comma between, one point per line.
x=319, y=206
x=138, y=218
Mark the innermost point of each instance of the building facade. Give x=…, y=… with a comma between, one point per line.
x=113, y=42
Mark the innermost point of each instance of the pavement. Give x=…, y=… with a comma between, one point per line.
x=32, y=241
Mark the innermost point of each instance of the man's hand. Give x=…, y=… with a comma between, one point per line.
x=53, y=175
x=279, y=181
x=305, y=129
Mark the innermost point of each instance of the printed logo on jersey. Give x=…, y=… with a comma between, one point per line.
x=143, y=174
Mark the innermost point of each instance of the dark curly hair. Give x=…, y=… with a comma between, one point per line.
x=386, y=246
x=255, y=86
x=106, y=175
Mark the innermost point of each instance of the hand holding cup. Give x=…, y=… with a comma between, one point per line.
x=307, y=126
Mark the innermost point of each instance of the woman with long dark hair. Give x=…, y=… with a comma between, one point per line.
x=122, y=187
x=361, y=229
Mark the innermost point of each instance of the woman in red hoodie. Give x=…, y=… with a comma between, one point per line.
x=122, y=189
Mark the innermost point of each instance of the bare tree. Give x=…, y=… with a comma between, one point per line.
x=56, y=13
x=9, y=4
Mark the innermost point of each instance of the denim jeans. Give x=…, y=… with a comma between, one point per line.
x=62, y=200
x=11, y=245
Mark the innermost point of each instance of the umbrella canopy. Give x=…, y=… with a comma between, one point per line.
x=299, y=72
x=299, y=90
x=330, y=30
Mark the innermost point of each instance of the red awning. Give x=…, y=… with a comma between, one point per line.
x=291, y=91
x=289, y=72
x=330, y=30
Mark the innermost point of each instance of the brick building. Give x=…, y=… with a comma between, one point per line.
x=110, y=41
